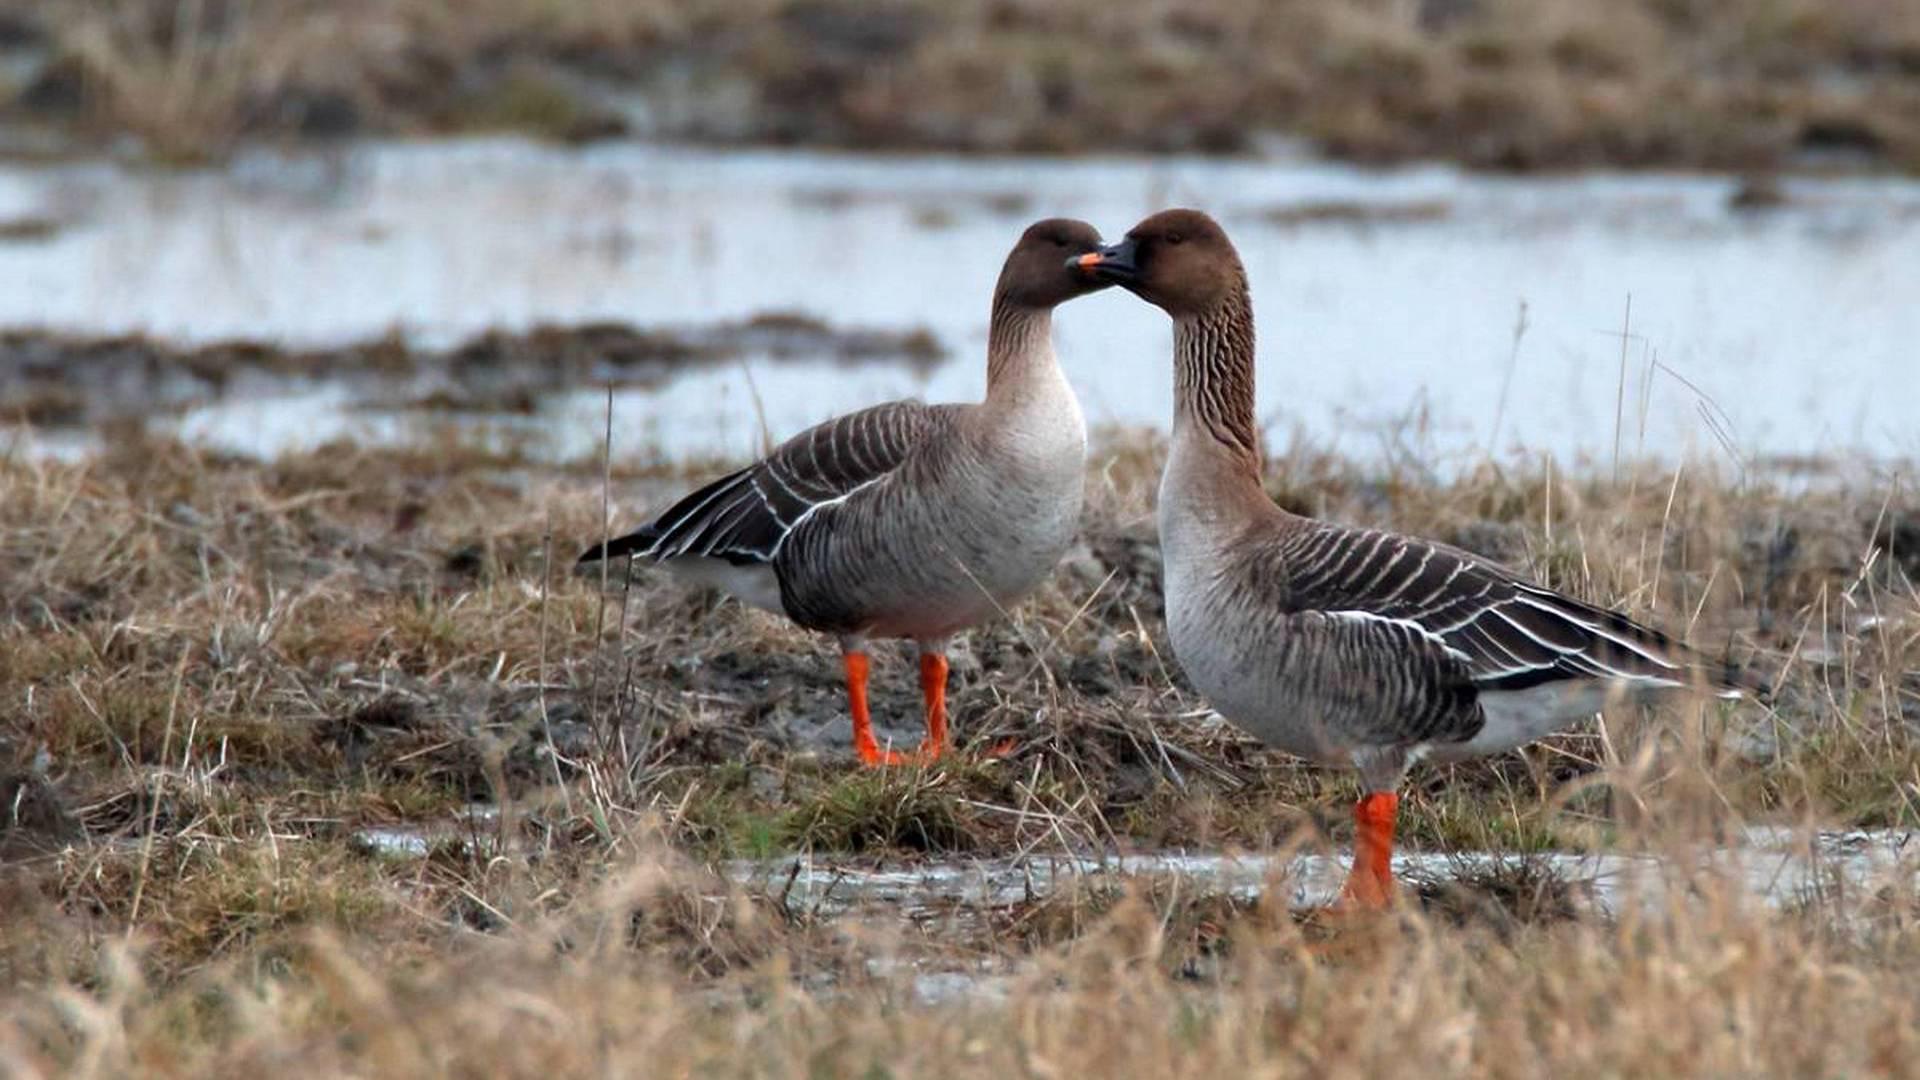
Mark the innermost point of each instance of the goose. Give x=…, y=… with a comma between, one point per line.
x=907, y=520
x=1346, y=645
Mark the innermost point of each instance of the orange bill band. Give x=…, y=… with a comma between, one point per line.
x=1114, y=263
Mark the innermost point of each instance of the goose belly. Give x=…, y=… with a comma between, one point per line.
x=1515, y=718
x=975, y=566
x=1225, y=649
x=951, y=562
x=754, y=584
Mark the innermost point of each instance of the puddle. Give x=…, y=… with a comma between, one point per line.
x=1387, y=299
x=1775, y=865
x=479, y=824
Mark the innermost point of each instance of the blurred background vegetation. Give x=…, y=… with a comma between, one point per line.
x=1498, y=84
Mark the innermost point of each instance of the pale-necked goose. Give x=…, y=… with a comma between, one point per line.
x=1341, y=644
x=907, y=520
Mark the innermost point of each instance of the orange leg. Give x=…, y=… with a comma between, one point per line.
x=1370, y=882
x=863, y=742
x=933, y=690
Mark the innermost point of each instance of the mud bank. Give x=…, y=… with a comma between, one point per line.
x=54, y=381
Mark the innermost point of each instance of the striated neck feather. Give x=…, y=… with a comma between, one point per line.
x=1213, y=380
x=1019, y=351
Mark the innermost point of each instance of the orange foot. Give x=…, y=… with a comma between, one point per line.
x=878, y=757
x=933, y=691
x=933, y=688
x=875, y=756
x=871, y=753
x=1370, y=884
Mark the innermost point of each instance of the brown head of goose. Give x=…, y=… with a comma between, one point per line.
x=907, y=520
x=1341, y=644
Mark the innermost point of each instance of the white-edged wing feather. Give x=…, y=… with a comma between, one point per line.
x=747, y=516
x=1514, y=635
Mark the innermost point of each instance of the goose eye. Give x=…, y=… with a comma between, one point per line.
x=1175, y=238
x=1059, y=241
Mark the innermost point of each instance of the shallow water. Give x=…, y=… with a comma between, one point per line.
x=1842, y=874
x=1388, y=300
x=1773, y=865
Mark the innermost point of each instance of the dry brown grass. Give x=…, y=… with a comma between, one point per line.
x=656, y=971
x=226, y=669
x=1492, y=83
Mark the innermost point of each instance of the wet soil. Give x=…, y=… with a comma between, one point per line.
x=53, y=380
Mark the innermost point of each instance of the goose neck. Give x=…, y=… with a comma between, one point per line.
x=1020, y=358
x=1213, y=383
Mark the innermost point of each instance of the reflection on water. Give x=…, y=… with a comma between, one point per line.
x=1773, y=864
x=1778, y=865
x=1382, y=296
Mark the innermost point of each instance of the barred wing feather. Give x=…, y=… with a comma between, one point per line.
x=1513, y=634
x=747, y=516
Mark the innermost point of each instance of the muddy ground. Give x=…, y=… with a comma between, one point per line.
x=59, y=381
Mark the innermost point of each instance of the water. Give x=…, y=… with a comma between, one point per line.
x=1396, y=298
x=1846, y=875
x=1774, y=865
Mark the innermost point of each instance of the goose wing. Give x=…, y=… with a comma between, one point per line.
x=1378, y=681
x=1514, y=635
x=746, y=517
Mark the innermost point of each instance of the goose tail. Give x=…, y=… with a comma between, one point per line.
x=639, y=542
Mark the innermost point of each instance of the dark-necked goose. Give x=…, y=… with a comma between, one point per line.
x=1340, y=644
x=907, y=520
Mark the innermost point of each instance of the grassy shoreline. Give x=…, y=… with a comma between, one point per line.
x=1497, y=84
x=216, y=671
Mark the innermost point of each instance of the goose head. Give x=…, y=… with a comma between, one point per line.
x=1041, y=271
x=1179, y=260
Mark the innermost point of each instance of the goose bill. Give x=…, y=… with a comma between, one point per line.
x=1113, y=263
